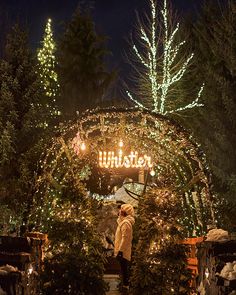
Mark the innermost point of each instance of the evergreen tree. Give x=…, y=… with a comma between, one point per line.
x=20, y=118
x=160, y=259
x=64, y=210
x=83, y=77
x=213, y=38
x=46, y=69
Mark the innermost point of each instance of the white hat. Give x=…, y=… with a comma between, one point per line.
x=128, y=209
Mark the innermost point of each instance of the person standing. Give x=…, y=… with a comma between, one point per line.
x=123, y=241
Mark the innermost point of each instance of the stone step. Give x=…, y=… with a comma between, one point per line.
x=113, y=281
x=113, y=293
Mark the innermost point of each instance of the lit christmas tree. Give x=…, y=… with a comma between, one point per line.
x=160, y=260
x=159, y=63
x=47, y=63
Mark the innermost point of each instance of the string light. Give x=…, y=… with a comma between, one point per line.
x=173, y=65
x=170, y=148
x=152, y=173
x=121, y=143
x=47, y=63
x=133, y=160
x=83, y=146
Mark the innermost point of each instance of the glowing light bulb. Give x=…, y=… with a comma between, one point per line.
x=83, y=146
x=152, y=172
x=121, y=144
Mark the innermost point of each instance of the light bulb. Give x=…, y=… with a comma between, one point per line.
x=83, y=146
x=152, y=172
x=121, y=144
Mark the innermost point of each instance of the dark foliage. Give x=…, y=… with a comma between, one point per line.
x=213, y=42
x=21, y=119
x=83, y=76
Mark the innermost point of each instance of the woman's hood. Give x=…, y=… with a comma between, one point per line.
x=128, y=209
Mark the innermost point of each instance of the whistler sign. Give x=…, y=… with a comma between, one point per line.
x=119, y=160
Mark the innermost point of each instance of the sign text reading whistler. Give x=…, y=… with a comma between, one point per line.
x=119, y=160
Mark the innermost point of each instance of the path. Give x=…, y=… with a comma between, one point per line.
x=113, y=281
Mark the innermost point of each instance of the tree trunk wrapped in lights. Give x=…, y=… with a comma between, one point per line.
x=159, y=62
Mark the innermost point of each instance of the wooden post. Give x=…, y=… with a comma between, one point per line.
x=141, y=176
x=145, y=183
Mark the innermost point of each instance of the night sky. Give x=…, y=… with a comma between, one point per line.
x=114, y=18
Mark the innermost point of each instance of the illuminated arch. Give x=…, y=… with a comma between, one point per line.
x=179, y=163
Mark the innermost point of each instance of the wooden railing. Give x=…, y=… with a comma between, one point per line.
x=26, y=255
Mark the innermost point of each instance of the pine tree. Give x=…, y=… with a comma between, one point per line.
x=20, y=118
x=159, y=62
x=83, y=76
x=215, y=123
x=47, y=69
x=160, y=259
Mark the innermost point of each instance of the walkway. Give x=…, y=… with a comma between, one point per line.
x=113, y=281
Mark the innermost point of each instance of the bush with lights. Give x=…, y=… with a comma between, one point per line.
x=160, y=259
x=74, y=262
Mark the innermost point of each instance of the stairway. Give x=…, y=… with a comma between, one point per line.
x=113, y=280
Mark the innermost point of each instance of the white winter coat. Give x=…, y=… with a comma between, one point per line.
x=124, y=236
